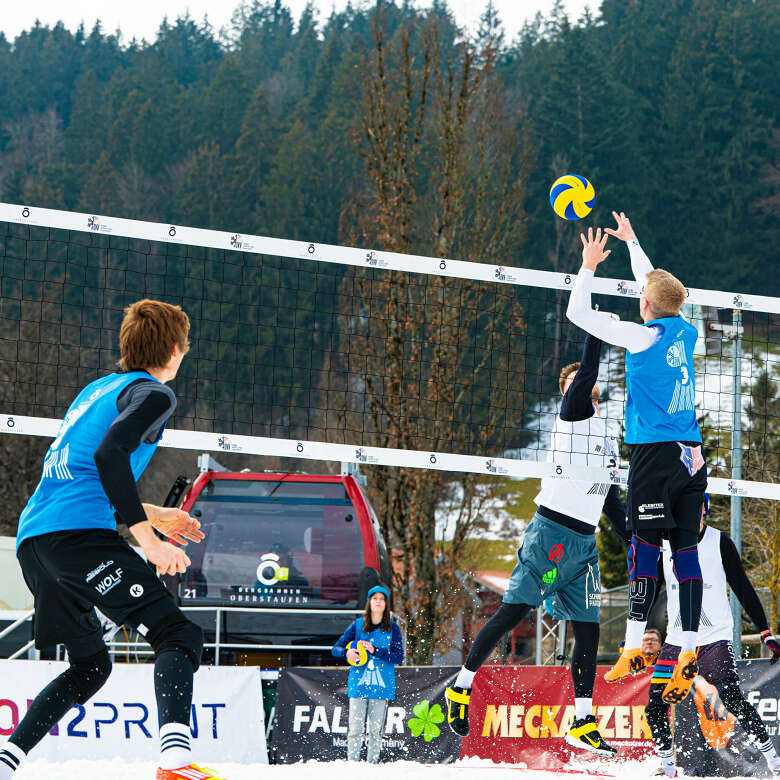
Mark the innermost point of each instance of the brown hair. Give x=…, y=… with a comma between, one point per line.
x=148, y=334
x=664, y=293
x=565, y=372
x=384, y=623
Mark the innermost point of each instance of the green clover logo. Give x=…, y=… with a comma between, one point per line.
x=425, y=720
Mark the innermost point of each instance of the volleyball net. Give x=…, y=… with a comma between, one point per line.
x=313, y=351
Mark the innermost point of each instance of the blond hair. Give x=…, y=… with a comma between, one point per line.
x=148, y=334
x=565, y=371
x=664, y=293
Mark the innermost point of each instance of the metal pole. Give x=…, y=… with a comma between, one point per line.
x=539, y=626
x=736, y=472
x=217, y=636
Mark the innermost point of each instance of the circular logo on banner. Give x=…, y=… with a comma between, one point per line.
x=556, y=553
x=136, y=591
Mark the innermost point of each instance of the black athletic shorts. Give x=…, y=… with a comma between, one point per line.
x=70, y=572
x=666, y=485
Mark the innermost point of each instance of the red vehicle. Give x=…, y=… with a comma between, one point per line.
x=288, y=559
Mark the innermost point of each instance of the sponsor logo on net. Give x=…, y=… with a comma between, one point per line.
x=502, y=276
x=623, y=288
x=740, y=302
x=96, y=226
x=494, y=468
x=735, y=490
x=226, y=444
x=374, y=260
x=237, y=241
x=362, y=456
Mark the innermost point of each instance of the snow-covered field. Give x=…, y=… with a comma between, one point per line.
x=470, y=769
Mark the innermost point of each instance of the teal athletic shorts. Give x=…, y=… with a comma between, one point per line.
x=556, y=562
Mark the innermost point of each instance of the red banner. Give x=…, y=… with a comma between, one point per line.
x=521, y=714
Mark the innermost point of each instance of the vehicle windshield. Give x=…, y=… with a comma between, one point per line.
x=275, y=543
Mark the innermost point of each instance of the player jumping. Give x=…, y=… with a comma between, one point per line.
x=73, y=558
x=668, y=476
x=558, y=555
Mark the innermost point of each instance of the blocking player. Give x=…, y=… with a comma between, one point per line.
x=74, y=560
x=558, y=555
x=668, y=475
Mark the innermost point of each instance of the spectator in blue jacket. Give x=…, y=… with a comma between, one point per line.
x=371, y=682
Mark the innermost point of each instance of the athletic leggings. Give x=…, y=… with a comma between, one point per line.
x=643, y=583
x=583, y=661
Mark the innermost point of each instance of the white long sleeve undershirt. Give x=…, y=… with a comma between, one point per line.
x=630, y=335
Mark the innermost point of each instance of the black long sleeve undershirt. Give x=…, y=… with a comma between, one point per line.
x=577, y=403
x=740, y=584
x=615, y=512
x=143, y=408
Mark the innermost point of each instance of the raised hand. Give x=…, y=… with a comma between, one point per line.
x=623, y=231
x=593, y=249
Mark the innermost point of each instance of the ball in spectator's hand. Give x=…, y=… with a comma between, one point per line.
x=361, y=651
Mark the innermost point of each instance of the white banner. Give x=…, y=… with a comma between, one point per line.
x=203, y=441
x=227, y=721
x=355, y=256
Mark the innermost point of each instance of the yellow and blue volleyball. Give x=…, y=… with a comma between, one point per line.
x=572, y=196
x=362, y=652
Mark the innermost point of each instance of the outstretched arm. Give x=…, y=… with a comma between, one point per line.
x=629, y=335
x=740, y=584
x=577, y=403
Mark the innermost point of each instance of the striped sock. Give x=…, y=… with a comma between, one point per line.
x=770, y=754
x=174, y=746
x=10, y=757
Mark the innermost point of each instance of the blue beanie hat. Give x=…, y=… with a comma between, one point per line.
x=378, y=589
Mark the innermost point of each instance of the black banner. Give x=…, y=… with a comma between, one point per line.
x=709, y=741
x=312, y=712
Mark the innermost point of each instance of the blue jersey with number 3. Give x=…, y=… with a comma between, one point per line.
x=70, y=496
x=660, y=386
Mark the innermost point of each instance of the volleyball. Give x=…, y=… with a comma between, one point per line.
x=361, y=651
x=572, y=196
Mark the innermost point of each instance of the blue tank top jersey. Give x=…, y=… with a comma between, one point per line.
x=70, y=495
x=376, y=679
x=660, y=386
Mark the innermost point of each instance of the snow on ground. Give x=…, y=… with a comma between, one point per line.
x=469, y=769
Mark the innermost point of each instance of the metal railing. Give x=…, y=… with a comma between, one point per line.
x=140, y=646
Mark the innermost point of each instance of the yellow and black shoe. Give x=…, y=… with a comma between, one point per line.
x=458, y=709
x=584, y=735
x=682, y=678
x=631, y=662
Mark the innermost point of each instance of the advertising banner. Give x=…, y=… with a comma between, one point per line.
x=521, y=714
x=312, y=711
x=710, y=742
x=227, y=721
